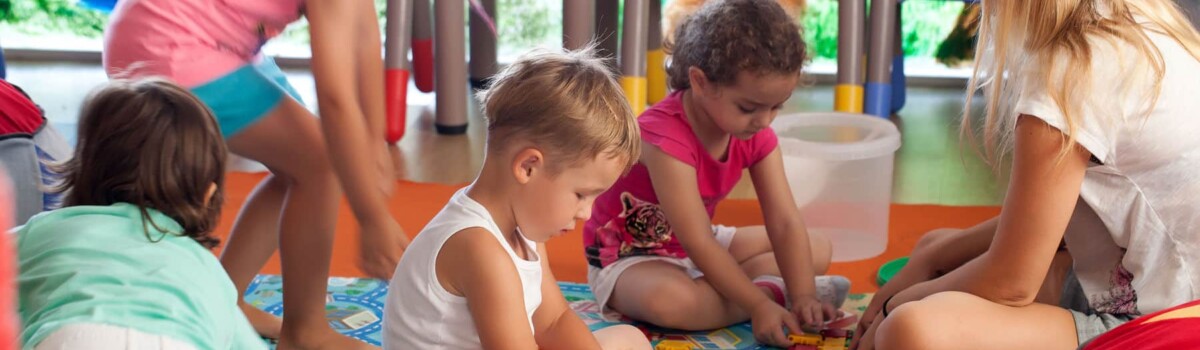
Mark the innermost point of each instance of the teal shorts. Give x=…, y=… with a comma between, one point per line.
x=243, y=97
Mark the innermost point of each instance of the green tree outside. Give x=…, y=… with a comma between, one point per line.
x=522, y=24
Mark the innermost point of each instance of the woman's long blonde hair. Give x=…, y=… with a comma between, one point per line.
x=1053, y=39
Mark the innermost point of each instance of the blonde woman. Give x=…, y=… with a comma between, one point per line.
x=1094, y=103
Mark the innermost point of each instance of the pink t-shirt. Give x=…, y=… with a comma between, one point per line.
x=191, y=41
x=626, y=220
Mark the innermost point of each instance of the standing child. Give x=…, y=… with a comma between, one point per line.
x=559, y=134
x=214, y=48
x=1095, y=101
x=655, y=255
x=28, y=148
x=126, y=264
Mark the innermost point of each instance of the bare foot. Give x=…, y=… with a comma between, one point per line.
x=267, y=325
x=321, y=339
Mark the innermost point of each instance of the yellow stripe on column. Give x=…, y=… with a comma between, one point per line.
x=656, y=74
x=848, y=98
x=635, y=93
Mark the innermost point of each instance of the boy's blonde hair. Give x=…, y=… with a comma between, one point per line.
x=1052, y=40
x=567, y=103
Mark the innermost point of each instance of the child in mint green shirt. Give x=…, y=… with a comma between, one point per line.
x=126, y=262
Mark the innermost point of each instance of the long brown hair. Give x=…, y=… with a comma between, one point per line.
x=152, y=144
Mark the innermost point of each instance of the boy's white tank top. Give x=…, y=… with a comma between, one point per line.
x=419, y=313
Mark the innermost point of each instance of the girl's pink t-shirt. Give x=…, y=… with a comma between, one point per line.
x=627, y=221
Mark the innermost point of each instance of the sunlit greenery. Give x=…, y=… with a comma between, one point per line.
x=521, y=23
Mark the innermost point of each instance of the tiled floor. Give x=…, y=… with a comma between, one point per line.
x=932, y=167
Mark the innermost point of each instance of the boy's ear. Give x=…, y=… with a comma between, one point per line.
x=528, y=163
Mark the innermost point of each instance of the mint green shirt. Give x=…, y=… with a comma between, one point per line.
x=94, y=264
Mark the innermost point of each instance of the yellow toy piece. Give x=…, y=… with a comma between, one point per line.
x=673, y=345
x=834, y=344
x=805, y=339
x=835, y=341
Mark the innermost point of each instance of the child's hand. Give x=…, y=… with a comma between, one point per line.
x=916, y=271
x=812, y=312
x=768, y=320
x=380, y=247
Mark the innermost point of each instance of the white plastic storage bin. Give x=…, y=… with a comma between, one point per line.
x=839, y=166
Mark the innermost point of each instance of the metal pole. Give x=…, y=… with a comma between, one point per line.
x=396, y=67
x=899, y=81
x=579, y=23
x=422, y=46
x=633, y=53
x=848, y=94
x=483, y=46
x=606, y=28
x=879, y=58
x=451, y=79
x=656, y=70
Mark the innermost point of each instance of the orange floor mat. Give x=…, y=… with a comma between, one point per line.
x=416, y=203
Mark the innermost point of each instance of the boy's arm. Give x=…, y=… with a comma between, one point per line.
x=473, y=264
x=557, y=326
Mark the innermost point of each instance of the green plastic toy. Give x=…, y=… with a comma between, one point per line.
x=890, y=269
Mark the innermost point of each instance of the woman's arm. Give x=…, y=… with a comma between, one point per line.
x=338, y=47
x=556, y=325
x=1040, y=202
x=474, y=265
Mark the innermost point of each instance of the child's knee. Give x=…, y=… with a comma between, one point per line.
x=669, y=306
x=822, y=252
x=311, y=174
x=622, y=337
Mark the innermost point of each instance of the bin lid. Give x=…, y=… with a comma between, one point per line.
x=836, y=135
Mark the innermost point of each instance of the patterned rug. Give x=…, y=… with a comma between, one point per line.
x=354, y=306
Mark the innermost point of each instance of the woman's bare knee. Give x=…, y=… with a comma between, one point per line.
x=919, y=324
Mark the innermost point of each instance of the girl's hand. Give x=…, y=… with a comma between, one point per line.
x=768, y=319
x=812, y=312
x=380, y=247
x=916, y=271
x=865, y=340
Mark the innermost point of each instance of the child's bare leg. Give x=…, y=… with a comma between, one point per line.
x=621, y=337
x=955, y=320
x=752, y=249
x=254, y=238
x=664, y=294
x=289, y=141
